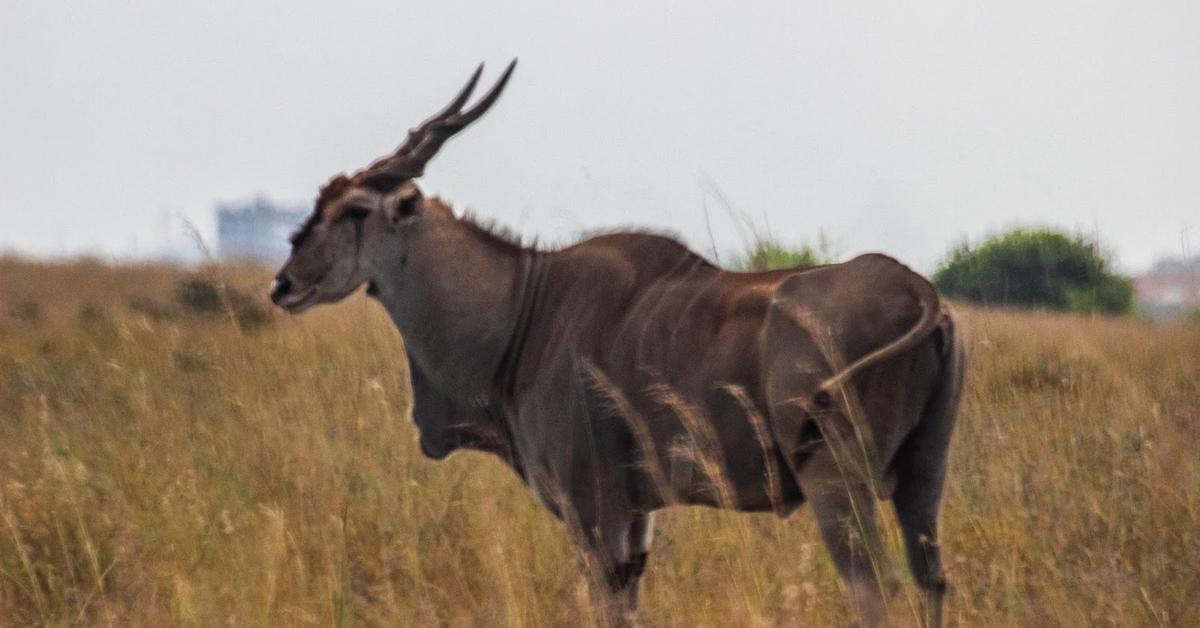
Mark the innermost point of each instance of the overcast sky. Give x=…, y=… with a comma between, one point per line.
x=898, y=127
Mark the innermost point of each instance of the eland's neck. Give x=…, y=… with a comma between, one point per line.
x=463, y=301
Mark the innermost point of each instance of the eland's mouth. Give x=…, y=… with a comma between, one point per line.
x=297, y=302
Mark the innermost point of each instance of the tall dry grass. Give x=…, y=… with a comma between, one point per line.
x=180, y=470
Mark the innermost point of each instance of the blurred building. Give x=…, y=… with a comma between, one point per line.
x=256, y=230
x=1170, y=288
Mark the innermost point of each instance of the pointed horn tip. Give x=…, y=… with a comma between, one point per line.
x=471, y=82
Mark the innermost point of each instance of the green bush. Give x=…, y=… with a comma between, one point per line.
x=1036, y=268
x=767, y=253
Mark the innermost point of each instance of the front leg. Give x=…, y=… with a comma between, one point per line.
x=616, y=557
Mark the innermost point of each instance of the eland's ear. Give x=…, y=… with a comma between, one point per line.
x=405, y=203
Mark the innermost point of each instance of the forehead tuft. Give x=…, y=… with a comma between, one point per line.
x=330, y=192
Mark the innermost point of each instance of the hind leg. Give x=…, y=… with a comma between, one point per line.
x=920, y=467
x=917, y=502
x=916, y=508
x=844, y=507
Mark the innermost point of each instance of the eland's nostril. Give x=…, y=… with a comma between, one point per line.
x=280, y=287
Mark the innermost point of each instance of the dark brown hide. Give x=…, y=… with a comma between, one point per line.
x=637, y=375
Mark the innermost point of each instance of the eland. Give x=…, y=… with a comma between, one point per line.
x=624, y=374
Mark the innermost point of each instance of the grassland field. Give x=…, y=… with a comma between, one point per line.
x=167, y=467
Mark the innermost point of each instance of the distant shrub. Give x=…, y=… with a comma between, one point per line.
x=190, y=361
x=26, y=311
x=1036, y=268
x=97, y=321
x=251, y=314
x=150, y=308
x=92, y=313
x=199, y=296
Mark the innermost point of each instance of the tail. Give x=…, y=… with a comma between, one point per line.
x=931, y=314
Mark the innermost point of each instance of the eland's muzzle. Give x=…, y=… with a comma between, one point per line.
x=280, y=288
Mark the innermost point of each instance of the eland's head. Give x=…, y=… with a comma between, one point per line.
x=364, y=219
